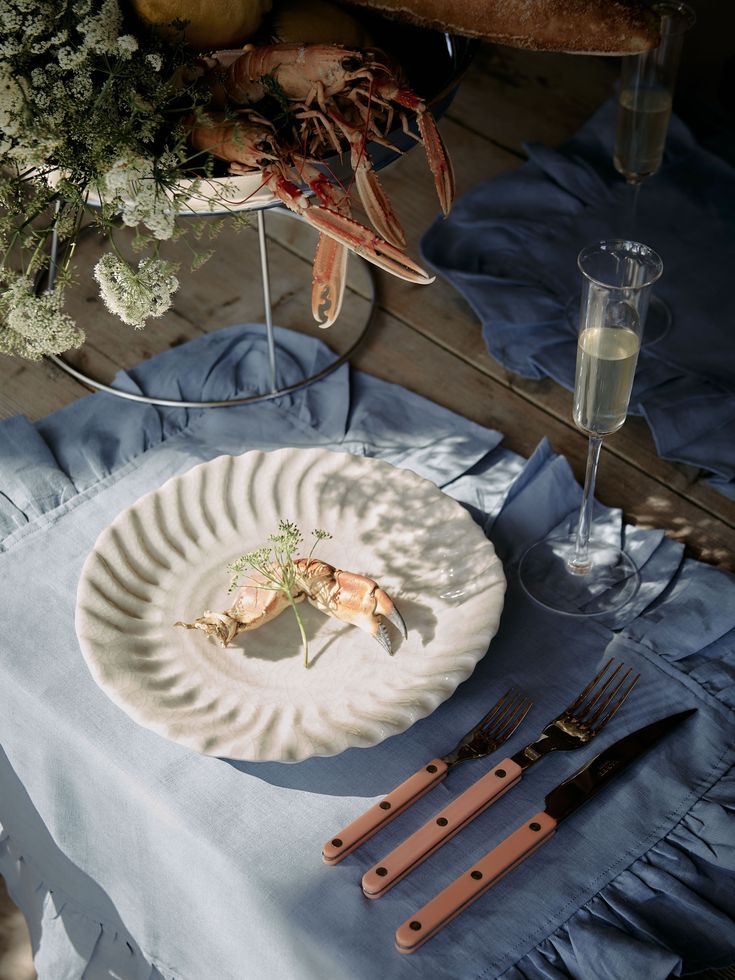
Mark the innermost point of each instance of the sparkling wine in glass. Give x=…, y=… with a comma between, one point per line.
x=647, y=83
x=575, y=575
x=643, y=121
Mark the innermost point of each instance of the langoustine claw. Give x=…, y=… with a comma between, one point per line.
x=346, y=596
x=351, y=598
x=330, y=98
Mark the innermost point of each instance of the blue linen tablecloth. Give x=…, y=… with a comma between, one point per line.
x=135, y=858
x=510, y=247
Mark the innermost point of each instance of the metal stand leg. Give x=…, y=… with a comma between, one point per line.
x=53, y=261
x=274, y=391
x=265, y=275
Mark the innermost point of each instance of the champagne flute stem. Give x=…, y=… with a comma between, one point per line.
x=579, y=563
x=634, y=191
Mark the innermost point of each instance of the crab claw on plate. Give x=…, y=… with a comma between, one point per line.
x=346, y=596
x=351, y=598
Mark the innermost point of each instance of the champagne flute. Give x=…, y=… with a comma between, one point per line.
x=575, y=575
x=647, y=84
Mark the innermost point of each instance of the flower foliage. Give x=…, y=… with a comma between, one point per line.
x=275, y=564
x=91, y=111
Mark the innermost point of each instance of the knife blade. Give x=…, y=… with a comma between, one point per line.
x=560, y=803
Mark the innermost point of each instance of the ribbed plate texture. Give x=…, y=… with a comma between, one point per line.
x=164, y=559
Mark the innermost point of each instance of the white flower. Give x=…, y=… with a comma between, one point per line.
x=136, y=296
x=155, y=61
x=35, y=325
x=100, y=30
x=127, y=45
x=130, y=185
x=11, y=102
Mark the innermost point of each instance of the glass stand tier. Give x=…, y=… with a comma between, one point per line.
x=270, y=388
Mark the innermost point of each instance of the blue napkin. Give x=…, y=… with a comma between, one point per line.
x=510, y=247
x=134, y=857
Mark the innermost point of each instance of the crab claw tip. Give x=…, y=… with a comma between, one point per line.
x=395, y=617
x=381, y=635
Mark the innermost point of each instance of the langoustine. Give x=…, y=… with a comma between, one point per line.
x=335, y=96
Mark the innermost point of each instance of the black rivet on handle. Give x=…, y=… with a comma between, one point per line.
x=431, y=768
x=534, y=826
x=500, y=773
x=442, y=821
x=382, y=872
x=336, y=842
x=385, y=805
x=414, y=925
x=476, y=875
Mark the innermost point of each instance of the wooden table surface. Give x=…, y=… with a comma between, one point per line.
x=425, y=338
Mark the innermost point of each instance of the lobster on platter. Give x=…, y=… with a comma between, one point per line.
x=333, y=99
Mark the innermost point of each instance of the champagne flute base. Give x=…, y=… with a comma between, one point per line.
x=548, y=575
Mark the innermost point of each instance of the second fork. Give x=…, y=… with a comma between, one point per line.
x=487, y=735
x=585, y=717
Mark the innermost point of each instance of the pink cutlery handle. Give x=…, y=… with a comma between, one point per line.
x=442, y=826
x=356, y=833
x=474, y=882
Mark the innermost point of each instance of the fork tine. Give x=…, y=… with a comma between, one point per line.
x=585, y=710
x=618, y=703
x=583, y=694
x=610, y=696
x=522, y=709
x=495, y=724
x=497, y=718
x=494, y=710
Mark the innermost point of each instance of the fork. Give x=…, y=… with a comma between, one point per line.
x=584, y=718
x=487, y=735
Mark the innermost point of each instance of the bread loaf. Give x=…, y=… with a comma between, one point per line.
x=610, y=27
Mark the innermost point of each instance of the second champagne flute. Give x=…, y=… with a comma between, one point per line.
x=647, y=83
x=577, y=576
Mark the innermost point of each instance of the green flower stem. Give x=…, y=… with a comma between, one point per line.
x=300, y=623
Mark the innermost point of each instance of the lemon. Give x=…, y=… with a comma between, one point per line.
x=318, y=22
x=211, y=23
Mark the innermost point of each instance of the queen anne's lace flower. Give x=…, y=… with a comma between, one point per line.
x=87, y=111
x=130, y=185
x=35, y=325
x=11, y=102
x=136, y=296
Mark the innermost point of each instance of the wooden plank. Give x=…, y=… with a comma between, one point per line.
x=402, y=355
x=34, y=388
x=511, y=96
x=225, y=292
x=442, y=316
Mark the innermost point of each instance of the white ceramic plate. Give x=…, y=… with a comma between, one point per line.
x=164, y=559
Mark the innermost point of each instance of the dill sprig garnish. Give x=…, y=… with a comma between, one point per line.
x=275, y=562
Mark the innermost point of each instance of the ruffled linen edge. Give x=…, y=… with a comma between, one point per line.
x=75, y=944
x=683, y=886
x=47, y=465
x=681, y=892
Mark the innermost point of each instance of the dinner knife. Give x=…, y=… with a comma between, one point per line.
x=560, y=803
